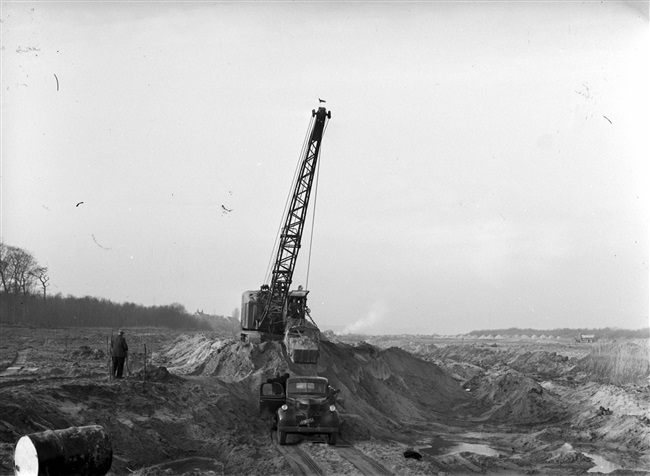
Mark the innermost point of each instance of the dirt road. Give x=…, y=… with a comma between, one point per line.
x=17, y=365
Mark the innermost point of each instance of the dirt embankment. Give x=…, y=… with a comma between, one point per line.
x=380, y=390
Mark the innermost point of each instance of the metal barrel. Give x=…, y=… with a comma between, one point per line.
x=84, y=450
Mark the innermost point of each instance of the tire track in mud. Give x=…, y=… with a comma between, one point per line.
x=364, y=463
x=19, y=362
x=301, y=463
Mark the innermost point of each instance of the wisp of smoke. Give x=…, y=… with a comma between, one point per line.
x=370, y=323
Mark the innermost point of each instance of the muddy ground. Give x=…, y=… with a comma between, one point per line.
x=489, y=406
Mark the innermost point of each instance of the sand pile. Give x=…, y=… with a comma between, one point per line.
x=627, y=418
x=566, y=454
x=243, y=366
x=188, y=354
x=392, y=381
x=154, y=374
x=380, y=389
x=511, y=396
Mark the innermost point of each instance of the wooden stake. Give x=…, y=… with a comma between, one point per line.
x=110, y=359
x=144, y=370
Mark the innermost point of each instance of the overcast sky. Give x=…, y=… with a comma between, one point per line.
x=485, y=166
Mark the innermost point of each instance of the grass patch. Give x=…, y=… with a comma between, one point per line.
x=618, y=363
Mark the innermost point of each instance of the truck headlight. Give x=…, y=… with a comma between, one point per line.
x=285, y=407
x=332, y=408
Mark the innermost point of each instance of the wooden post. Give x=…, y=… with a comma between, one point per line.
x=110, y=357
x=144, y=369
x=84, y=450
x=110, y=360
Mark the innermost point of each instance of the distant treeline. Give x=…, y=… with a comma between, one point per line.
x=71, y=311
x=603, y=333
x=24, y=300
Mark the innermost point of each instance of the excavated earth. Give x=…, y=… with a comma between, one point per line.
x=492, y=407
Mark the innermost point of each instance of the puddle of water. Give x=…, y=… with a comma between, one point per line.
x=602, y=465
x=438, y=446
x=474, y=448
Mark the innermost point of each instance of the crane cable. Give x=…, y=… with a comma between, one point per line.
x=276, y=244
x=313, y=209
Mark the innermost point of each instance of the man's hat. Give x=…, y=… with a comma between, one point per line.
x=121, y=331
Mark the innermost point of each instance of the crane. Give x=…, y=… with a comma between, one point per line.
x=274, y=312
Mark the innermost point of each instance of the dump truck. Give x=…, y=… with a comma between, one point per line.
x=303, y=406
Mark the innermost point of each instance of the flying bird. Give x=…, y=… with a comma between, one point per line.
x=102, y=247
x=321, y=100
x=226, y=209
x=608, y=120
x=78, y=204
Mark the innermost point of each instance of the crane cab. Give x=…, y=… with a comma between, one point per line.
x=301, y=337
x=253, y=302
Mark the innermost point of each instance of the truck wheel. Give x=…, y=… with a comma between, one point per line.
x=282, y=437
x=331, y=439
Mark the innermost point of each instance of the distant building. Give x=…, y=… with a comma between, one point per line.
x=587, y=338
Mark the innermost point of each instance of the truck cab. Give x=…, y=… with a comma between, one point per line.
x=306, y=406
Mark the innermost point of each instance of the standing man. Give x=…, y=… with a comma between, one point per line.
x=120, y=352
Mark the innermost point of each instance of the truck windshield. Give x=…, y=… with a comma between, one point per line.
x=306, y=387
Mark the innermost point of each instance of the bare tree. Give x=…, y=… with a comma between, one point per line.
x=23, y=264
x=5, y=270
x=40, y=273
x=17, y=268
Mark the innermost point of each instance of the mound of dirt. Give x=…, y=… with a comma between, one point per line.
x=566, y=454
x=461, y=371
x=189, y=354
x=154, y=374
x=511, y=396
x=389, y=389
x=380, y=389
x=628, y=419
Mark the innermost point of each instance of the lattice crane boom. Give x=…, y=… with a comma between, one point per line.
x=265, y=311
